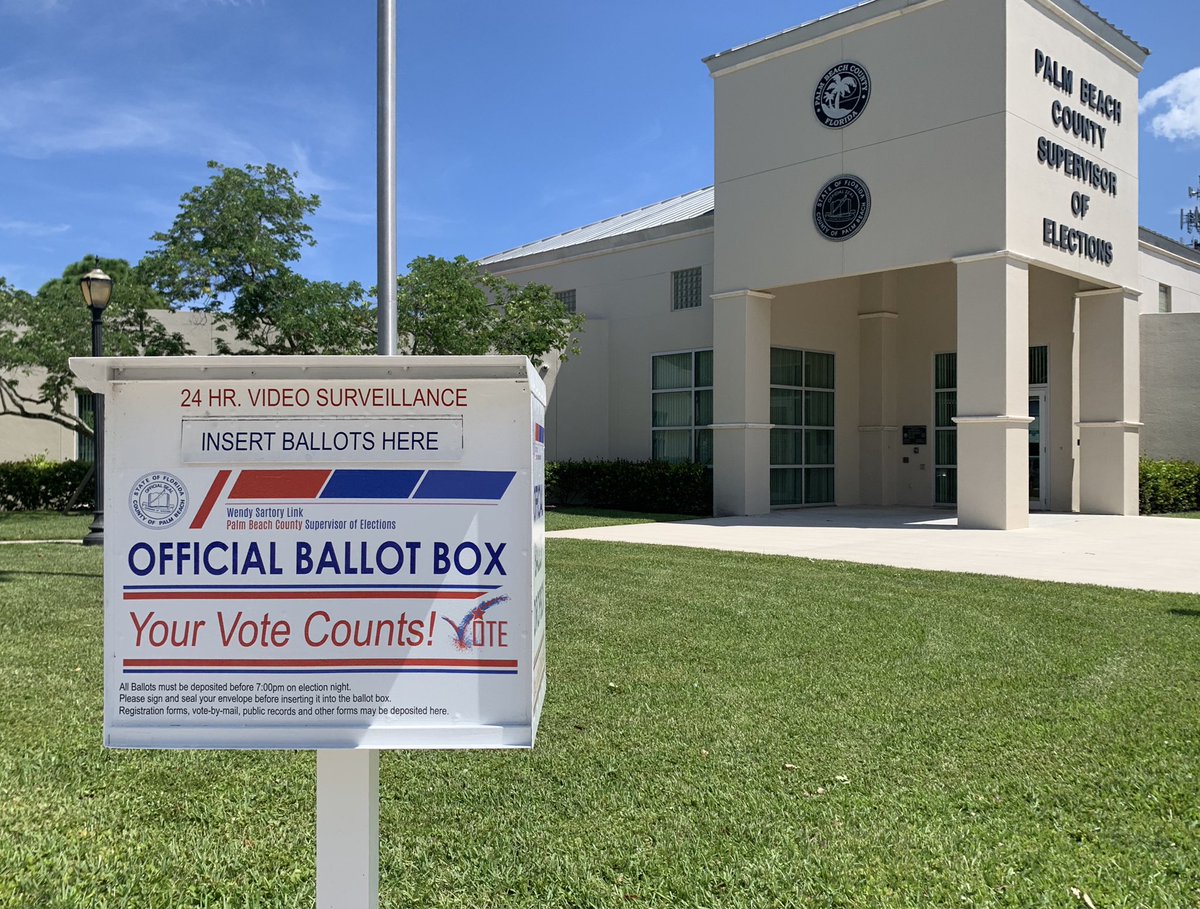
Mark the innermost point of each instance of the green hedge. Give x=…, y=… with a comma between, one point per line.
x=39, y=484
x=651, y=486
x=1166, y=486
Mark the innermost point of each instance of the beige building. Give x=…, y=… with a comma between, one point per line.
x=21, y=438
x=918, y=278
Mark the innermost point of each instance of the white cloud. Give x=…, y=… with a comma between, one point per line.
x=309, y=180
x=40, y=118
x=1181, y=96
x=32, y=228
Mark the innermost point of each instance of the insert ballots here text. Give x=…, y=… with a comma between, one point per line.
x=324, y=564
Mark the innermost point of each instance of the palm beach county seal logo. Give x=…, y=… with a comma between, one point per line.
x=158, y=500
x=842, y=207
x=842, y=95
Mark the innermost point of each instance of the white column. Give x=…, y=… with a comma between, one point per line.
x=347, y=829
x=741, y=403
x=1109, y=401
x=993, y=392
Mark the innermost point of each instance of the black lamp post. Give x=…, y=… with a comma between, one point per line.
x=97, y=291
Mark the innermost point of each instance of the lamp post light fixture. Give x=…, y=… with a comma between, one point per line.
x=97, y=291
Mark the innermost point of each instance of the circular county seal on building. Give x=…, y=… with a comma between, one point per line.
x=842, y=207
x=158, y=500
x=842, y=95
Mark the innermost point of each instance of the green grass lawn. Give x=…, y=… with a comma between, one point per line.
x=1183, y=514
x=720, y=730
x=575, y=518
x=43, y=525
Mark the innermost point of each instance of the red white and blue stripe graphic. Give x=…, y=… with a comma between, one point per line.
x=165, y=592
x=539, y=433
x=356, y=485
x=445, y=665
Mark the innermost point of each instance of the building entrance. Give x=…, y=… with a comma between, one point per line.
x=1039, y=449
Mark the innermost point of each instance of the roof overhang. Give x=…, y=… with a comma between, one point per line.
x=871, y=12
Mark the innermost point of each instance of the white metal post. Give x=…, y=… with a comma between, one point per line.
x=385, y=180
x=348, y=781
x=347, y=829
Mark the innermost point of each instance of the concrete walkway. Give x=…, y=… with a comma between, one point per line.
x=1137, y=553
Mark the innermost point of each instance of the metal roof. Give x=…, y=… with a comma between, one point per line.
x=1165, y=243
x=695, y=204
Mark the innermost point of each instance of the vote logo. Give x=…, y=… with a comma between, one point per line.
x=842, y=95
x=158, y=500
x=842, y=207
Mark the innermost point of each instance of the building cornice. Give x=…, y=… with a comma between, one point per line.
x=594, y=248
x=1074, y=14
x=997, y=254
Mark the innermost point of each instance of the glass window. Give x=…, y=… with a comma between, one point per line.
x=672, y=445
x=802, y=440
x=686, y=291
x=787, y=367
x=704, y=369
x=1164, y=298
x=682, y=406
x=566, y=298
x=818, y=408
x=818, y=370
x=672, y=371
x=1039, y=365
x=945, y=434
x=673, y=408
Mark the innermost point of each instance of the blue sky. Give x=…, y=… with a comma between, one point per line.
x=518, y=119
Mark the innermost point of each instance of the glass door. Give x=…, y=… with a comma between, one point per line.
x=1039, y=450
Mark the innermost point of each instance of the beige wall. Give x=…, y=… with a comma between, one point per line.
x=1158, y=266
x=1034, y=191
x=21, y=437
x=600, y=404
x=930, y=137
x=1171, y=385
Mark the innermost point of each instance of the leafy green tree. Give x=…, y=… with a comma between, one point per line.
x=442, y=307
x=454, y=307
x=531, y=320
x=243, y=227
x=230, y=251
x=287, y=314
x=40, y=332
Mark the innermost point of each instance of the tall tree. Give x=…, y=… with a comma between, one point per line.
x=245, y=226
x=454, y=307
x=230, y=251
x=287, y=314
x=40, y=332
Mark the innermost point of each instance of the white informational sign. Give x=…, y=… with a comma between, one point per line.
x=322, y=552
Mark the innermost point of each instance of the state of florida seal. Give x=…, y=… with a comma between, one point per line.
x=842, y=207
x=842, y=95
x=158, y=500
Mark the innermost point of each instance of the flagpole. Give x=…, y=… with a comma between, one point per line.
x=348, y=780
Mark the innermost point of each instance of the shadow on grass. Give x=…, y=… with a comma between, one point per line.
x=10, y=576
x=1186, y=613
